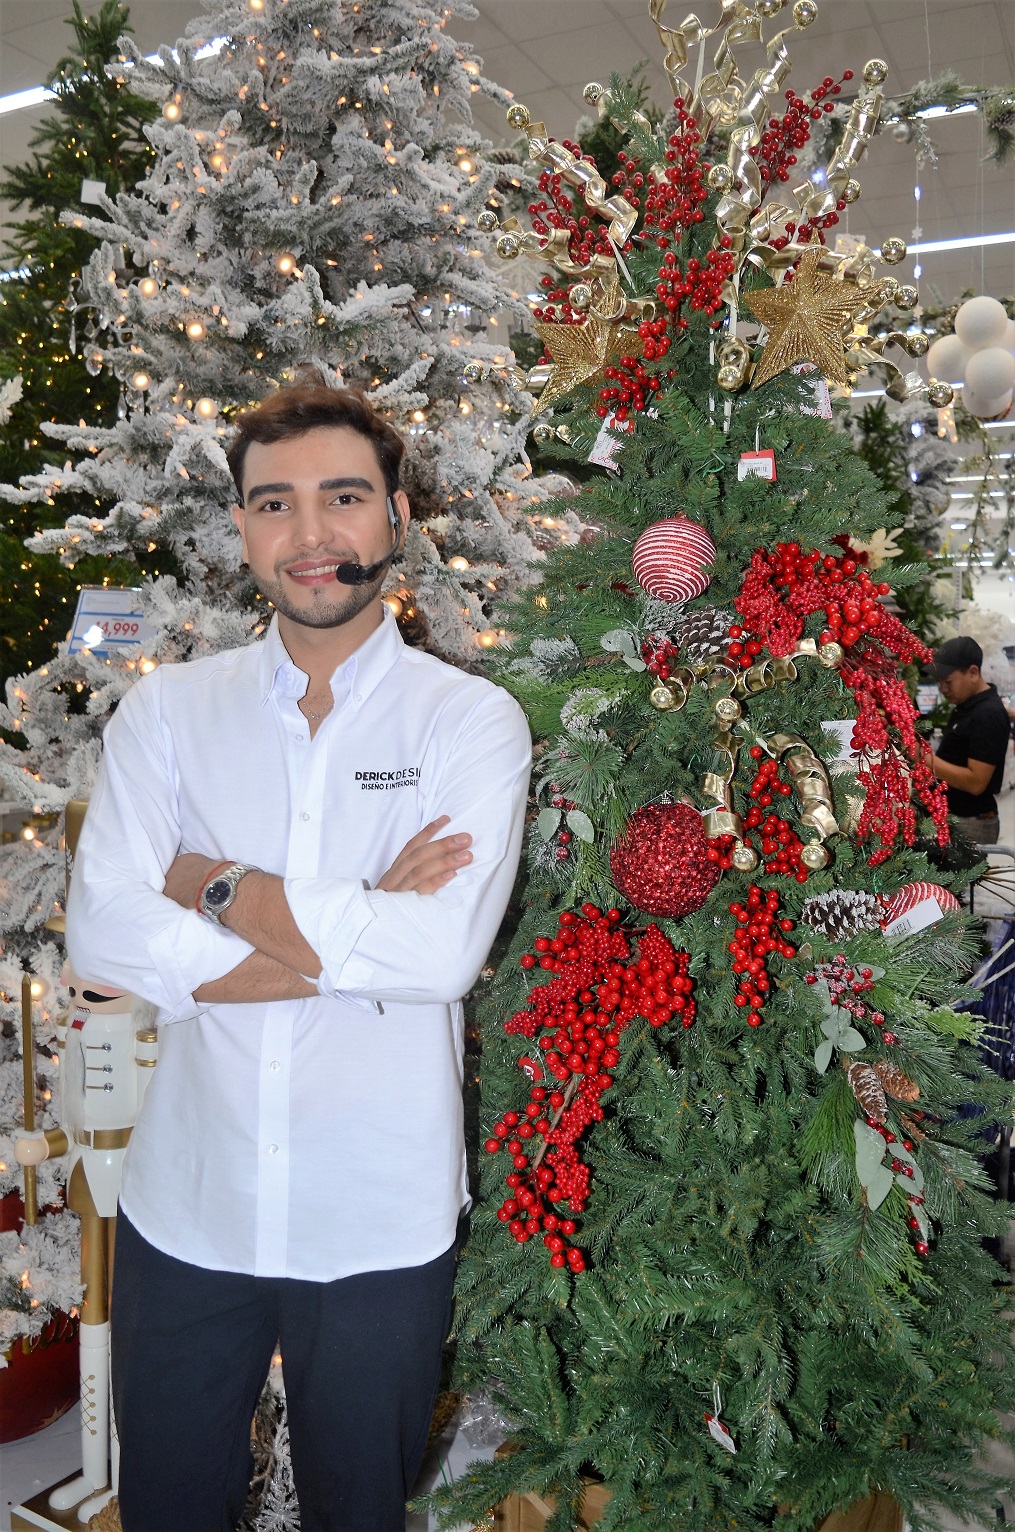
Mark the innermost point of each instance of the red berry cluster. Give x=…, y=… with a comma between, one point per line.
x=779, y=842
x=791, y=131
x=562, y=839
x=779, y=592
x=845, y=986
x=629, y=387
x=701, y=282
x=659, y=652
x=901, y=1168
x=782, y=589
x=581, y=951
x=890, y=774
x=761, y=933
x=586, y=239
x=721, y=848
x=578, y=1017
x=673, y=201
x=742, y=650
x=558, y=304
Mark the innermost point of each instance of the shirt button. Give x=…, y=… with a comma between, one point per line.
x=300, y=738
x=304, y=815
x=275, y=1066
x=272, y=1148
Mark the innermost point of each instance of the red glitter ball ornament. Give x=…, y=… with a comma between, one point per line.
x=669, y=558
x=660, y=863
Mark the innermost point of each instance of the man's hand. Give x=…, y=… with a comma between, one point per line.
x=186, y=876
x=424, y=865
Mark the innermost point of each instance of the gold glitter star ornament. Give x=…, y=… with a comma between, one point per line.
x=807, y=321
x=580, y=352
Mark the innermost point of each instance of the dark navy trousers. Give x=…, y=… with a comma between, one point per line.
x=191, y=1349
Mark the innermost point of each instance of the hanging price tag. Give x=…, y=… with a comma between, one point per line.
x=607, y=445
x=757, y=465
x=719, y=1433
x=927, y=913
x=821, y=402
x=108, y=619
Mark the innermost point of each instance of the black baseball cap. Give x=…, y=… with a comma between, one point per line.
x=956, y=654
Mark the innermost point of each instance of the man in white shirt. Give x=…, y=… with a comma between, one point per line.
x=261, y=860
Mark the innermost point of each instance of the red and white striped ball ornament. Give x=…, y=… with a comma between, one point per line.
x=669, y=558
x=910, y=895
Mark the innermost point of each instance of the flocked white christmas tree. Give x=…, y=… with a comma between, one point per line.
x=313, y=203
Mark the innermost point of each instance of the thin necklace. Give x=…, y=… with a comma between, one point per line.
x=316, y=717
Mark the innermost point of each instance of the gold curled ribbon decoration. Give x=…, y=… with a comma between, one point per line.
x=810, y=780
x=584, y=177
x=735, y=209
x=864, y=351
x=677, y=41
x=763, y=675
x=861, y=125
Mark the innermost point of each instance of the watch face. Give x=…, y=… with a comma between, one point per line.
x=217, y=893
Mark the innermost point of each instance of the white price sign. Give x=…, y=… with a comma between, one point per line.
x=108, y=618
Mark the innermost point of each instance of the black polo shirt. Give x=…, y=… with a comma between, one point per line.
x=978, y=730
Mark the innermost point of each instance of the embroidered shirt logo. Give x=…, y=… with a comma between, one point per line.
x=382, y=781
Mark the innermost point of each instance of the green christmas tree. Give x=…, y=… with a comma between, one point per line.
x=95, y=132
x=726, y=1256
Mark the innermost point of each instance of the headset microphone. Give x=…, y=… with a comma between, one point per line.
x=364, y=574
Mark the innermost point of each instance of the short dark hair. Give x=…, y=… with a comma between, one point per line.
x=303, y=407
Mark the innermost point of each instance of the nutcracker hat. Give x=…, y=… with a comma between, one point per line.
x=956, y=654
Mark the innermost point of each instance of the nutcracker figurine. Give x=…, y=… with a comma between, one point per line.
x=106, y=1063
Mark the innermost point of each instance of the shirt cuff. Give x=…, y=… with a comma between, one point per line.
x=189, y=953
x=332, y=914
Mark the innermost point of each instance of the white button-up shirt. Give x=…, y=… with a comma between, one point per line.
x=321, y=1137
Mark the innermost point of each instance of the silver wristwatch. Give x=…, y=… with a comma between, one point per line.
x=219, y=892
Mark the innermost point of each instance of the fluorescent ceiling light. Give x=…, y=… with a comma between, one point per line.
x=20, y=99
x=23, y=98
x=943, y=111
x=972, y=242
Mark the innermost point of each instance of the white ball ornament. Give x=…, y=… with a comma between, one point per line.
x=947, y=359
x=981, y=322
x=986, y=409
x=990, y=373
x=669, y=558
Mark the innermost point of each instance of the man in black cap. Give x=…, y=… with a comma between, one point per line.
x=970, y=758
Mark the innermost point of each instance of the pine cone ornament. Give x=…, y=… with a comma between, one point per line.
x=842, y=913
x=868, y=1090
x=703, y=633
x=896, y=1082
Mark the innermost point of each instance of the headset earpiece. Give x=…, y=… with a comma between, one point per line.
x=393, y=521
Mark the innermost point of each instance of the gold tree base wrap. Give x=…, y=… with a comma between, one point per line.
x=530, y=1513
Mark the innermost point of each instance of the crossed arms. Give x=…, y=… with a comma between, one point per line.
x=283, y=965
x=419, y=936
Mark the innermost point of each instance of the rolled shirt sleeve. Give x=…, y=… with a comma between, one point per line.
x=121, y=928
x=426, y=948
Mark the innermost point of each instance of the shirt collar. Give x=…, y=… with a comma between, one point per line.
x=360, y=673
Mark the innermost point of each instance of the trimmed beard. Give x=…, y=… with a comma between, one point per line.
x=324, y=613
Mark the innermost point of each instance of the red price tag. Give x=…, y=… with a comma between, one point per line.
x=757, y=465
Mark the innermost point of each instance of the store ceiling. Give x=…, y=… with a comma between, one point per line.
x=545, y=51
